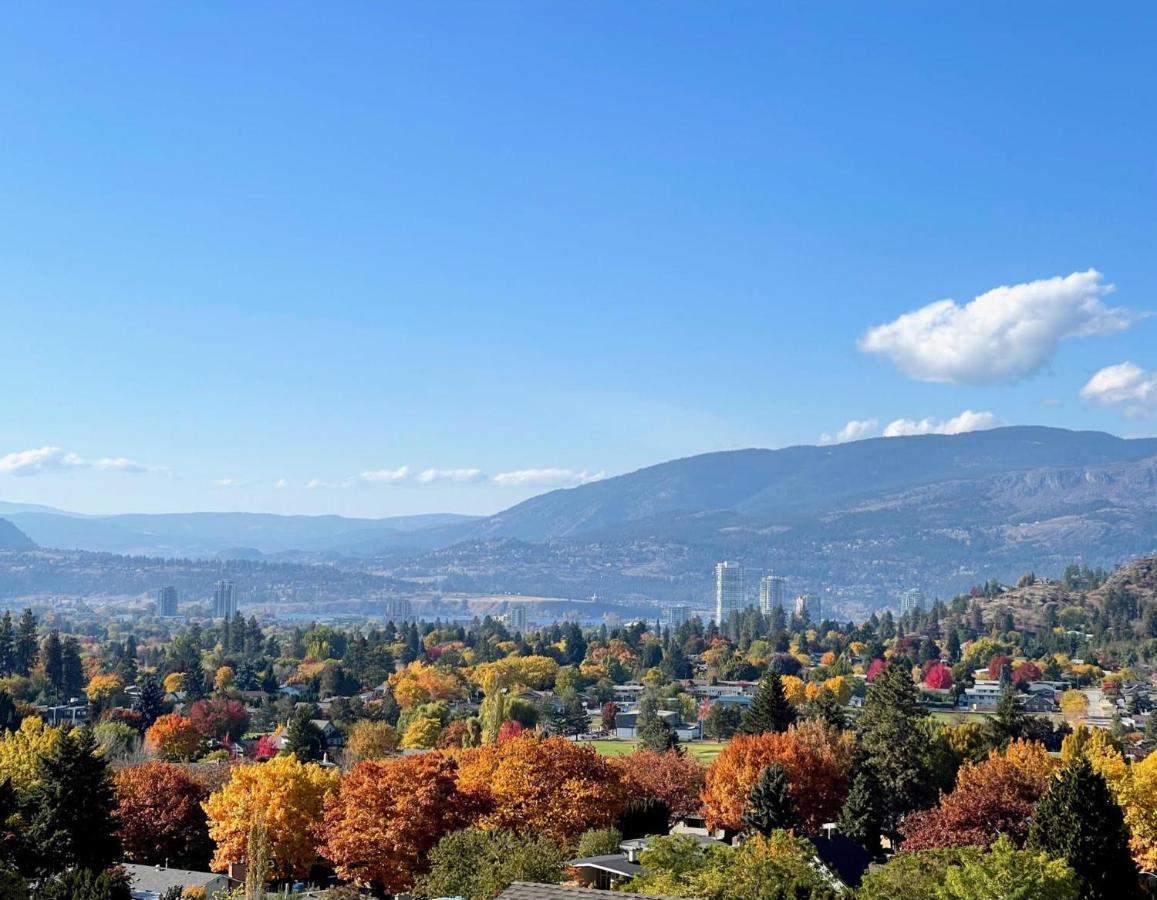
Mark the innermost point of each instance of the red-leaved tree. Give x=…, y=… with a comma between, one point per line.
x=219, y=720
x=938, y=677
x=160, y=815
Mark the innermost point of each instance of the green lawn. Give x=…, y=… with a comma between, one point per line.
x=704, y=751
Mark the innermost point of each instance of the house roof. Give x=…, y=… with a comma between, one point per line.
x=615, y=863
x=523, y=890
x=158, y=879
x=847, y=859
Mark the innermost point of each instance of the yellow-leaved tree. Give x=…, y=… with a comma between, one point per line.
x=286, y=798
x=21, y=751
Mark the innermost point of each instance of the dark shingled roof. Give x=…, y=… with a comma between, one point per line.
x=523, y=890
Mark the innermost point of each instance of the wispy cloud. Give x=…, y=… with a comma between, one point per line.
x=1001, y=336
x=1125, y=387
x=855, y=430
x=385, y=476
x=966, y=421
x=547, y=477
x=229, y=483
x=53, y=459
x=462, y=476
x=281, y=483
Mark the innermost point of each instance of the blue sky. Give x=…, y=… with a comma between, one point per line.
x=250, y=248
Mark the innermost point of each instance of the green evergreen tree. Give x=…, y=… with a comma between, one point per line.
x=1079, y=821
x=72, y=813
x=304, y=739
x=770, y=711
x=195, y=685
x=7, y=644
x=770, y=804
x=71, y=669
x=150, y=702
x=895, y=745
x=654, y=732
x=126, y=667
x=826, y=708
x=52, y=659
x=1009, y=721
x=862, y=815
x=570, y=718
x=27, y=645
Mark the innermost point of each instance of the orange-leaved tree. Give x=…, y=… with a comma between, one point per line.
x=817, y=760
x=160, y=814
x=674, y=778
x=554, y=786
x=174, y=738
x=381, y=825
x=991, y=798
x=284, y=797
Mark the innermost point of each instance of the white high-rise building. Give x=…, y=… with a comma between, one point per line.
x=803, y=605
x=911, y=601
x=224, y=600
x=516, y=616
x=730, y=590
x=771, y=593
x=679, y=614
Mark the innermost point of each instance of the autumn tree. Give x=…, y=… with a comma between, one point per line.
x=370, y=740
x=992, y=798
x=554, y=786
x=161, y=818
x=674, y=778
x=219, y=720
x=478, y=864
x=817, y=760
x=382, y=823
x=174, y=738
x=1078, y=820
x=288, y=796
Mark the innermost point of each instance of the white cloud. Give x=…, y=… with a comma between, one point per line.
x=281, y=483
x=855, y=430
x=229, y=483
x=54, y=459
x=966, y=421
x=385, y=476
x=1126, y=387
x=547, y=477
x=1003, y=335
x=459, y=475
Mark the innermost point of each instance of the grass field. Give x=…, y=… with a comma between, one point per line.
x=704, y=751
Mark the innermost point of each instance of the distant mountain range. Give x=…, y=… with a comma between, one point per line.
x=856, y=523
x=204, y=535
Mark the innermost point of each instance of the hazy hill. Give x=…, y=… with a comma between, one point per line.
x=800, y=482
x=12, y=538
x=209, y=534
x=856, y=523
